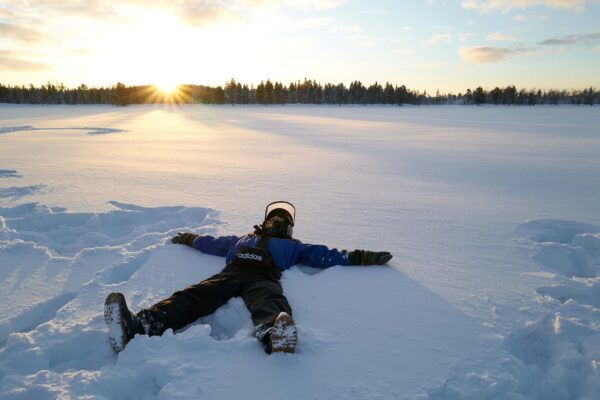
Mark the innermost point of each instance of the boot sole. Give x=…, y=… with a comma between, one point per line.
x=113, y=318
x=284, y=335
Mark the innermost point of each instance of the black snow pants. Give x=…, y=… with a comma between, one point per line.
x=252, y=275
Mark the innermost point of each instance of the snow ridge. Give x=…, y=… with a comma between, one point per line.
x=89, y=130
x=16, y=192
x=9, y=173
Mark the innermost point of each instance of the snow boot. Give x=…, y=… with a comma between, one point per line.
x=283, y=336
x=122, y=324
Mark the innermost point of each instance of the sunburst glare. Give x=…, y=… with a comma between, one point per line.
x=167, y=87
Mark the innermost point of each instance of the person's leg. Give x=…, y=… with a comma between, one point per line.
x=187, y=305
x=265, y=300
x=271, y=315
x=121, y=322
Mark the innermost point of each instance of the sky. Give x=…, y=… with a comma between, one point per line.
x=426, y=45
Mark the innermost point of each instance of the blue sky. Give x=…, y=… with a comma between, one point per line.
x=425, y=45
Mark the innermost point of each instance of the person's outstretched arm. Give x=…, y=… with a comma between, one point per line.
x=366, y=257
x=319, y=256
x=216, y=246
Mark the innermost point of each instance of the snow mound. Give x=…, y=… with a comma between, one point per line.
x=561, y=352
x=556, y=356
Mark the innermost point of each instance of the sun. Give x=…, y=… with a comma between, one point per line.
x=167, y=87
x=169, y=91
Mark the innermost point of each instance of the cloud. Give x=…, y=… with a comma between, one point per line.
x=490, y=54
x=19, y=33
x=507, y=5
x=8, y=62
x=499, y=37
x=42, y=9
x=5, y=13
x=201, y=13
x=206, y=12
x=526, y=18
x=312, y=4
x=191, y=12
x=439, y=38
x=580, y=38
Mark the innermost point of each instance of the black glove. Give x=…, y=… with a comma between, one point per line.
x=184, y=238
x=365, y=257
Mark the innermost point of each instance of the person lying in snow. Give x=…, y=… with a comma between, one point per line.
x=252, y=272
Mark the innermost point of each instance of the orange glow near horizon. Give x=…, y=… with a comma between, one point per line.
x=167, y=88
x=169, y=92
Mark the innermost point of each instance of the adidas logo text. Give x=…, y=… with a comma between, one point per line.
x=250, y=256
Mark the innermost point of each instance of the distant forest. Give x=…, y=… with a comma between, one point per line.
x=306, y=92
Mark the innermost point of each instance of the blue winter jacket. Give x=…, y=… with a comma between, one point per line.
x=285, y=252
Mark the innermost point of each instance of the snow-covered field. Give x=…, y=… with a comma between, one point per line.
x=492, y=214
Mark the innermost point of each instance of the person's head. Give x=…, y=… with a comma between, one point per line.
x=279, y=220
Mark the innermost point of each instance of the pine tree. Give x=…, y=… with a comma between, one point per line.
x=479, y=96
x=260, y=93
x=120, y=96
x=268, y=92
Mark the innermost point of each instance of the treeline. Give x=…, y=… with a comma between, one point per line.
x=300, y=92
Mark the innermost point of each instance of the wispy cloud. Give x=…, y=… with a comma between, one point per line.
x=499, y=37
x=309, y=4
x=96, y=9
x=10, y=61
x=507, y=5
x=439, y=38
x=527, y=18
x=19, y=33
x=491, y=54
x=191, y=12
x=5, y=13
x=580, y=38
x=205, y=13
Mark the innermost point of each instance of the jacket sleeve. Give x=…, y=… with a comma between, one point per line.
x=319, y=256
x=214, y=246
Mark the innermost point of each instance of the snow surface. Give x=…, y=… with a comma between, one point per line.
x=492, y=215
